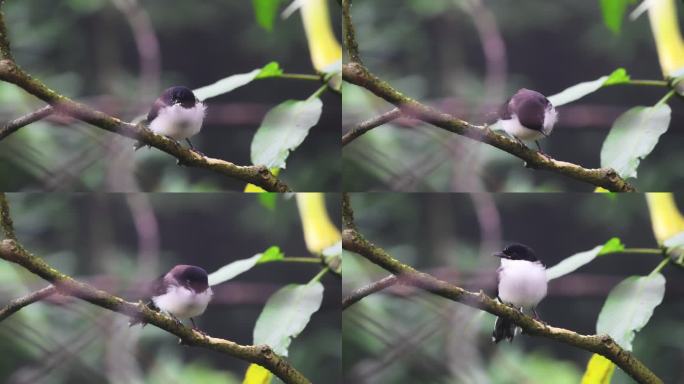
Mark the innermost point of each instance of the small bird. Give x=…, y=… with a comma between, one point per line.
x=521, y=283
x=176, y=114
x=528, y=115
x=183, y=293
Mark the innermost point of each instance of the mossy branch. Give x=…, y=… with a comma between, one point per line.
x=12, y=73
x=353, y=241
x=356, y=73
x=12, y=251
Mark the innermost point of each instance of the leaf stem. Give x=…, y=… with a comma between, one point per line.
x=300, y=76
x=319, y=92
x=660, y=266
x=665, y=99
x=653, y=83
x=313, y=260
x=320, y=274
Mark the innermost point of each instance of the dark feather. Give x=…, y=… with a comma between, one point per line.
x=155, y=288
x=504, y=329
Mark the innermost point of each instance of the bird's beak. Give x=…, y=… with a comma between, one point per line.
x=501, y=255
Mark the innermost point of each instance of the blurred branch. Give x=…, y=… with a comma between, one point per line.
x=12, y=251
x=12, y=73
x=19, y=122
x=373, y=287
x=356, y=73
x=370, y=124
x=353, y=241
x=17, y=304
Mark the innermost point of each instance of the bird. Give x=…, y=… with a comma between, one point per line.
x=177, y=114
x=183, y=293
x=528, y=115
x=522, y=284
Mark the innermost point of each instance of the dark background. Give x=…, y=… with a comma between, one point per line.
x=94, y=238
x=404, y=335
x=432, y=51
x=86, y=50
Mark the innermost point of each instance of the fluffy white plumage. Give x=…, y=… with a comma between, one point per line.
x=182, y=302
x=513, y=127
x=522, y=283
x=178, y=122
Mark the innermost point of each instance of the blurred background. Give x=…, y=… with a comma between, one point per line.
x=403, y=335
x=116, y=242
x=118, y=55
x=466, y=57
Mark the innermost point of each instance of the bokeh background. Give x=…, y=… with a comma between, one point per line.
x=118, y=55
x=117, y=242
x=403, y=335
x=466, y=57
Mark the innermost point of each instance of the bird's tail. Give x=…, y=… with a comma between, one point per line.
x=504, y=329
x=134, y=320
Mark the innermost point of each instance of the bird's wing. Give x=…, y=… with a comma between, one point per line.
x=505, y=110
x=154, y=111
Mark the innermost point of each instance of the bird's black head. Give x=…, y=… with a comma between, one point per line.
x=191, y=277
x=530, y=107
x=179, y=95
x=517, y=251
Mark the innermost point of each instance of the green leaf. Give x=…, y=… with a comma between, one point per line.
x=286, y=314
x=580, y=90
x=271, y=69
x=284, y=128
x=633, y=136
x=629, y=306
x=268, y=200
x=612, y=246
x=613, y=13
x=265, y=12
x=235, y=268
x=233, y=82
x=574, y=262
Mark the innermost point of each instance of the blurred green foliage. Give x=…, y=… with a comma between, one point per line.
x=94, y=238
x=88, y=50
x=404, y=335
x=433, y=51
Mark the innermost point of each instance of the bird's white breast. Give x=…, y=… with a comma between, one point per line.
x=513, y=127
x=183, y=303
x=177, y=122
x=522, y=283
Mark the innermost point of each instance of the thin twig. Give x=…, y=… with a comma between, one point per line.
x=356, y=73
x=16, y=124
x=604, y=345
x=15, y=305
x=371, y=288
x=263, y=355
x=367, y=125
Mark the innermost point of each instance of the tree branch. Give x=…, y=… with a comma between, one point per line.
x=356, y=73
x=19, y=122
x=11, y=251
x=12, y=73
x=367, y=125
x=604, y=345
x=5, y=218
x=371, y=288
x=15, y=305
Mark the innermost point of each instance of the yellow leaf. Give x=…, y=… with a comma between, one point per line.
x=600, y=190
x=319, y=232
x=665, y=26
x=324, y=48
x=599, y=370
x=256, y=374
x=666, y=219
